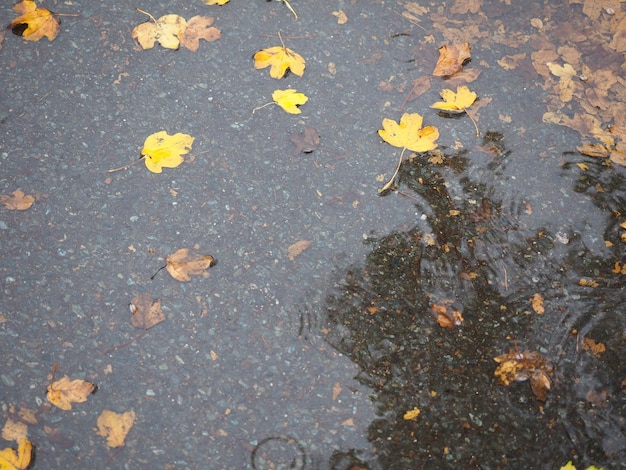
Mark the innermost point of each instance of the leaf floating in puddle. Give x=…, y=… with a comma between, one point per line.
x=528, y=365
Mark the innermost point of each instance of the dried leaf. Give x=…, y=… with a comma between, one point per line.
x=336, y=390
x=447, y=316
x=297, y=248
x=528, y=365
x=181, y=264
x=537, y=304
x=341, y=16
x=595, y=348
x=412, y=414
x=64, y=392
x=167, y=31
x=14, y=431
x=34, y=23
x=289, y=100
x=19, y=459
x=565, y=74
x=215, y=2
x=199, y=27
x=163, y=150
x=18, y=201
x=451, y=59
x=145, y=312
x=115, y=426
x=306, y=141
x=280, y=59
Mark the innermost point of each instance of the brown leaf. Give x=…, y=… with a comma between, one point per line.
x=18, y=201
x=115, y=426
x=306, y=141
x=528, y=365
x=595, y=348
x=181, y=264
x=447, y=316
x=297, y=248
x=451, y=59
x=199, y=27
x=336, y=390
x=146, y=313
x=64, y=392
x=537, y=304
x=14, y=430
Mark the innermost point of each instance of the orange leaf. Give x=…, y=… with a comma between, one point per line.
x=115, y=426
x=537, y=304
x=451, y=59
x=447, y=316
x=181, y=264
x=297, y=248
x=19, y=459
x=34, y=23
x=528, y=365
x=64, y=392
x=18, y=201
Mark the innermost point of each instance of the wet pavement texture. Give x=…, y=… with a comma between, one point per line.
x=274, y=361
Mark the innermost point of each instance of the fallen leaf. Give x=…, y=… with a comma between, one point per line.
x=409, y=134
x=14, y=431
x=215, y=2
x=280, y=59
x=456, y=102
x=537, y=304
x=595, y=348
x=336, y=390
x=305, y=141
x=181, y=264
x=566, y=85
x=297, y=248
x=451, y=59
x=163, y=150
x=199, y=27
x=412, y=414
x=447, y=316
x=19, y=459
x=167, y=31
x=289, y=100
x=18, y=201
x=145, y=312
x=517, y=367
x=341, y=16
x=115, y=426
x=64, y=392
x=34, y=23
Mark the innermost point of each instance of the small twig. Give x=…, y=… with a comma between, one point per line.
x=125, y=343
x=395, y=173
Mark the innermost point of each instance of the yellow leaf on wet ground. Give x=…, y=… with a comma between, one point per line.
x=456, y=102
x=289, y=100
x=34, y=23
x=163, y=150
x=566, y=84
x=64, y=392
x=412, y=414
x=166, y=30
x=18, y=201
x=280, y=59
x=11, y=459
x=409, y=133
x=215, y=2
x=115, y=426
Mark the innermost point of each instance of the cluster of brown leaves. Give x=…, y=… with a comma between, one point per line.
x=518, y=366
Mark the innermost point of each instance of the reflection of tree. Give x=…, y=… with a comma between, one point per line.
x=470, y=249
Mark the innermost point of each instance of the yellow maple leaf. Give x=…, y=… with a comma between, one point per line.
x=408, y=134
x=215, y=2
x=456, y=102
x=566, y=85
x=11, y=459
x=64, y=392
x=281, y=59
x=289, y=100
x=163, y=150
x=115, y=426
x=34, y=23
x=167, y=31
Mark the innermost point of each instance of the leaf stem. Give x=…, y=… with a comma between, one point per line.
x=473, y=121
x=395, y=173
x=128, y=165
x=263, y=106
x=291, y=9
x=146, y=13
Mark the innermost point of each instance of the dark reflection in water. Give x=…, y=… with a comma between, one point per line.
x=473, y=247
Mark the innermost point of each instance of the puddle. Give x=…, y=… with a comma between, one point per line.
x=313, y=360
